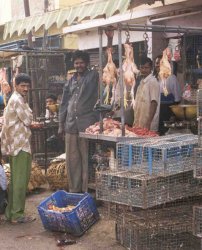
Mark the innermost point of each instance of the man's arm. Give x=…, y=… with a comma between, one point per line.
x=63, y=108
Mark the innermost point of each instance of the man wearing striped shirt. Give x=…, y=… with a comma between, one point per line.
x=15, y=142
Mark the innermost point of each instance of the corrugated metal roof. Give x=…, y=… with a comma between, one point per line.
x=69, y=15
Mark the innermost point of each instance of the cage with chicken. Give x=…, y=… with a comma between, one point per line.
x=160, y=156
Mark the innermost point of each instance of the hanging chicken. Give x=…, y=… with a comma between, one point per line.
x=165, y=68
x=129, y=72
x=109, y=76
x=5, y=87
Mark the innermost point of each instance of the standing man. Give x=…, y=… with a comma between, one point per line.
x=147, y=101
x=75, y=115
x=15, y=142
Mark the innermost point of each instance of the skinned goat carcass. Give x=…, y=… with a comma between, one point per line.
x=5, y=87
x=129, y=71
x=109, y=76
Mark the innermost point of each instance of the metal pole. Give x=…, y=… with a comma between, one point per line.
x=100, y=94
x=45, y=34
x=100, y=32
x=121, y=80
x=27, y=13
x=161, y=28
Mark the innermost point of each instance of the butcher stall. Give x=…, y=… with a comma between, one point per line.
x=148, y=183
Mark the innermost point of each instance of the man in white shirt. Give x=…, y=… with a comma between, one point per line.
x=147, y=101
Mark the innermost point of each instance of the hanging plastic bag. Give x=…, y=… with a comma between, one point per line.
x=187, y=92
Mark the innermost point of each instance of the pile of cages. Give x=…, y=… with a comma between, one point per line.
x=165, y=228
x=145, y=191
x=198, y=151
x=166, y=157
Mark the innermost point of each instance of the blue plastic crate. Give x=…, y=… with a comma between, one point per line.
x=76, y=222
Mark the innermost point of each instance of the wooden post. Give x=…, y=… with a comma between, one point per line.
x=45, y=34
x=27, y=13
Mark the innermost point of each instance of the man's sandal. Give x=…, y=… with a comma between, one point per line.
x=24, y=219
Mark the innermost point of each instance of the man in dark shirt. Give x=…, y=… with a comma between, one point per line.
x=76, y=113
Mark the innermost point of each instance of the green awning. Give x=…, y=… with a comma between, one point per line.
x=68, y=15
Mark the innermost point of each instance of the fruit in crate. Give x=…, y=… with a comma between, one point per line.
x=68, y=208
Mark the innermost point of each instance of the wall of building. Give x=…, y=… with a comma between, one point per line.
x=90, y=39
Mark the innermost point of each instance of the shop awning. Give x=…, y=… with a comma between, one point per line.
x=66, y=16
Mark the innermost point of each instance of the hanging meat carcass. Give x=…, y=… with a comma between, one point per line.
x=109, y=74
x=5, y=87
x=129, y=72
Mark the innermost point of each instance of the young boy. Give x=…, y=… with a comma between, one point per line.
x=50, y=100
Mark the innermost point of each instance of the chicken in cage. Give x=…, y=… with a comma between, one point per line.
x=143, y=190
x=162, y=157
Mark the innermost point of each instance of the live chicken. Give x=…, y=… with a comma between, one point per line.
x=109, y=74
x=129, y=71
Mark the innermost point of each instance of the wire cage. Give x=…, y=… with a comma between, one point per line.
x=197, y=221
x=43, y=149
x=101, y=156
x=48, y=75
x=198, y=163
x=166, y=228
x=144, y=190
x=199, y=102
x=162, y=157
x=47, y=71
x=200, y=131
x=111, y=210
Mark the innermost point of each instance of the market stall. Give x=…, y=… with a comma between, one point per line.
x=137, y=171
x=110, y=131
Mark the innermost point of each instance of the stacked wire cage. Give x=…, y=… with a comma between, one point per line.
x=150, y=177
x=151, y=172
x=197, y=210
x=198, y=150
x=157, y=229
